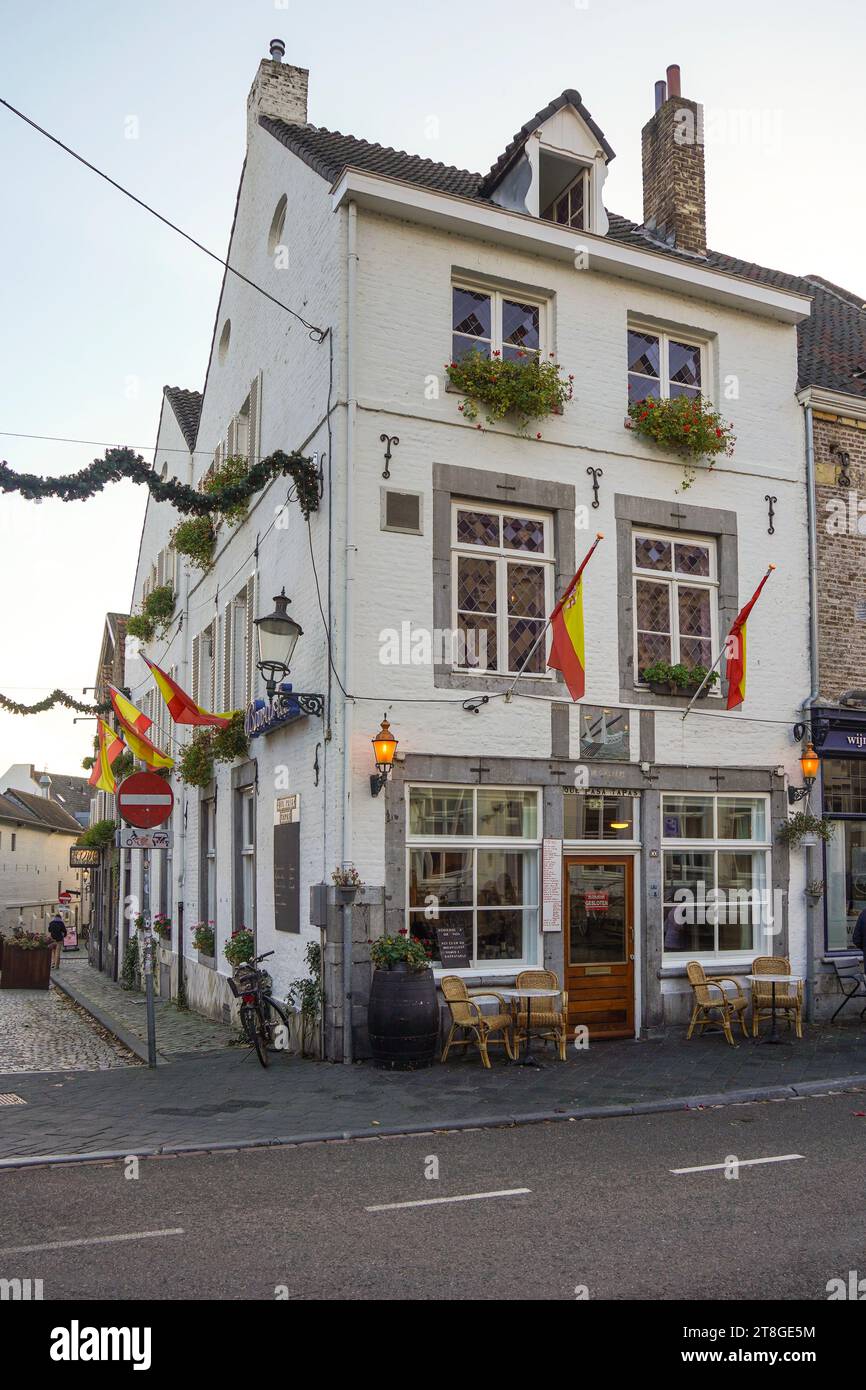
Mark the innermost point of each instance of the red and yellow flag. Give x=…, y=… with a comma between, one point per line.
x=181, y=706
x=736, y=649
x=566, y=622
x=108, y=748
x=129, y=718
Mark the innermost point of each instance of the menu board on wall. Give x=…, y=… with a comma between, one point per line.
x=287, y=863
x=551, y=885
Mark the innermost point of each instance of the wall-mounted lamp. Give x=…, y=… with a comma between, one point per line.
x=384, y=747
x=277, y=637
x=809, y=763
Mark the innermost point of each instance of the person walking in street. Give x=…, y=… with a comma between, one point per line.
x=57, y=932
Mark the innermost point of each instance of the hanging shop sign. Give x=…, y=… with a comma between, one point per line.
x=83, y=857
x=285, y=706
x=551, y=885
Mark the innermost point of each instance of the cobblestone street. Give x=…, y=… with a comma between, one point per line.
x=43, y=1031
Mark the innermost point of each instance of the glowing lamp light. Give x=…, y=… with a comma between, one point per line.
x=384, y=747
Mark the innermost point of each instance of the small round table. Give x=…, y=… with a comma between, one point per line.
x=528, y=1060
x=773, y=980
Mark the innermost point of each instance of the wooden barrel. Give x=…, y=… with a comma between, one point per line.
x=403, y=1018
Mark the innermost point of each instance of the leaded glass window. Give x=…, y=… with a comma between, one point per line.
x=501, y=598
x=491, y=321
x=661, y=366
x=675, y=600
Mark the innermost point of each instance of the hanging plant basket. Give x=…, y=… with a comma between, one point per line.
x=683, y=425
x=805, y=829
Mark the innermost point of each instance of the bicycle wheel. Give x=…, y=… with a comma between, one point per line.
x=254, y=1027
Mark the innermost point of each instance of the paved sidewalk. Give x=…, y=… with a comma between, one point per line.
x=42, y=1030
x=177, y=1032
x=227, y=1098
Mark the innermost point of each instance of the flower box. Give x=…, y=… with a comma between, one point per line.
x=25, y=969
x=209, y=961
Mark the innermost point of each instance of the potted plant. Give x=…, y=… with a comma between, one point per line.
x=203, y=942
x=523, y=388
x=803, y=828
x=665, y=679
x=240, y=946
x=162, y=926
x=815, y=889
x=305, y=996
x=347, y=882
x=26, y=960
x=403, y=1013
x=686, y=425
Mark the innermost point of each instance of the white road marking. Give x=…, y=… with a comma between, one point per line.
x=89, y=1240
x=739, y=1162
x=145, y=799
x=440, y=1201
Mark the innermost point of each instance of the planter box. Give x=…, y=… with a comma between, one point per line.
x=25, y=969
x=684, y=692
x=209, y=961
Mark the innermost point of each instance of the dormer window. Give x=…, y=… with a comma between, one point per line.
x=564, y=195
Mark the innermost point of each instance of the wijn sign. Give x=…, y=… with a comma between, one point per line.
x=285, y=706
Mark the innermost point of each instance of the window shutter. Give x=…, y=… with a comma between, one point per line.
x=250, y=634
x=214, y=667
x=233, y=438
x=195, y=660
x=227, y=658
x=160, y=568
x=254, y=445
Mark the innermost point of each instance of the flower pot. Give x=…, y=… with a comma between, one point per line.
x=665, y=688
x=29, y=969
x=809, y=840
x=346, y=895
x=403, y=1018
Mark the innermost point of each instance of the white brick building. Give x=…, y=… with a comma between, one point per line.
x=389, y=254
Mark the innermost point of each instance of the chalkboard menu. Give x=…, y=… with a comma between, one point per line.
x=287, y=877
x=453, y=947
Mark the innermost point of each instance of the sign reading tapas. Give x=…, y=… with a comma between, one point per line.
x=129, y=838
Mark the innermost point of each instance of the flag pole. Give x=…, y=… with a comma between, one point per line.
x=696, y=695
x=599, y=536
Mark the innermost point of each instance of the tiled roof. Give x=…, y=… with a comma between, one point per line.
x=187, y=407
x=832, y=342
x=567, y=98
x=73, y=793
x=38, y=810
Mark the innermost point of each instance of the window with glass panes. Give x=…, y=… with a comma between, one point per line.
x=662, y=366
x=844, y=783
x=490, y=321
x=569, y=208
x=501, y=585
x=675, y=599
x=716, y=873
x=599, y=816
x=473, y=862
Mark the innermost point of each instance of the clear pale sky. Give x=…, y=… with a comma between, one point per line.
x=100, y=306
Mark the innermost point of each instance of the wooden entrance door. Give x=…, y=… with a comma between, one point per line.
x=599, y=945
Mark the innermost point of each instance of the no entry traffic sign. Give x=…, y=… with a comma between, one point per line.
x=145, y=799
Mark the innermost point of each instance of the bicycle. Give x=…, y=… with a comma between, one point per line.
x=258, y=1006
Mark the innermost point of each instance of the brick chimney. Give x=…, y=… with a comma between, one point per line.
x=674, y=191
x=279, y=90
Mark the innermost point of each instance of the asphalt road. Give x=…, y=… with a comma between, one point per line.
x=603, y=1213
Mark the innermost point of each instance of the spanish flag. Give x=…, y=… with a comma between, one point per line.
x=129, y=718
x=735, y=647
x=566, y=621
x=181, y=706
x=109, y=747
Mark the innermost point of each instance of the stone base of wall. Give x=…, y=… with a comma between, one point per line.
x=206, y=990
x=368, y=923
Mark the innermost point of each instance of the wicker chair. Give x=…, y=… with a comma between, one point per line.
x=789, y=998
x=711, y=997
x=549, y=1017
x=467, y=1016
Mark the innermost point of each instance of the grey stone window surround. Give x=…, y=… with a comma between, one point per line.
x=502, y=490
x=661, y=515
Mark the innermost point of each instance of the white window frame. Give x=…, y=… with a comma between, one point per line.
x=666, y=337
x=672, y=579
x=247, y=854
x=502, y=556
x=584, y=176
x=761, y=940
x=497, y=294
x=474, y=843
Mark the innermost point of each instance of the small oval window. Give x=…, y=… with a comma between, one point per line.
x=278, y=222
x=225, y=339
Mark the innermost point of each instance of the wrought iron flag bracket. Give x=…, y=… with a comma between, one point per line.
x=388, y=440
x=310, y=704
x=771, y=512
x=596, y=474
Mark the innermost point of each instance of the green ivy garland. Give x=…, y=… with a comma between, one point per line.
x=124, y=463
x=57, y=697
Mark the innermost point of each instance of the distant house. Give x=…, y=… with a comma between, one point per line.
x=36, y=834
x=72, y=793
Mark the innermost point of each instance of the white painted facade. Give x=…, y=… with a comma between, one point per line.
x=373, y=261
